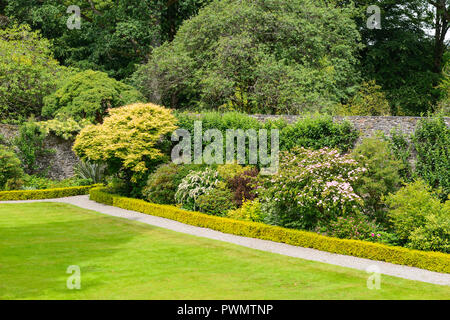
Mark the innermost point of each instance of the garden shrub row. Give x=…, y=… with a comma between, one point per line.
x=44, y=194
x=434, y=261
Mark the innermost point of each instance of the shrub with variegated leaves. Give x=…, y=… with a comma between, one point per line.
x=312, y=188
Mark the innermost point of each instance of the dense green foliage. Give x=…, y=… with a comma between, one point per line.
x=217, y=120
x=431, y=141
x=381, y=178
x=10, y=170
x=313, y=132
x=161, y=186
x=401, y=148
x=368, y=101
x=403, y=59
x=419, y=219
x=28, y=72
x=256, y=56
x=114, y=35
x=30, y=144
x=217, y=201
x=427, y=149
x=318, y=132
x=38, y=182
x=88, y=95
x=356, y=226
x=443, y=107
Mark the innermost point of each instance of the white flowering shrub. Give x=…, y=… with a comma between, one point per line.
x=312, y=188
x=194, y=185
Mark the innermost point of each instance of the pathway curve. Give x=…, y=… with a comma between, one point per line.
x=264, y=245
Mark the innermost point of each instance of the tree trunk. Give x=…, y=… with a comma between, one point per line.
x=441, y=28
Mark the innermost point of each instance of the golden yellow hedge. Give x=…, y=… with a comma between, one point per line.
x=434, y=261
x=44, y=194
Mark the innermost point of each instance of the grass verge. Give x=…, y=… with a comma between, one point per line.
x=122, y=259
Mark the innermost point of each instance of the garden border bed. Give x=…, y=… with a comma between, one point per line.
x=45, y=193
x=433, y=261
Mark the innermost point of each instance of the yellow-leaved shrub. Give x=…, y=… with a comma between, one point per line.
x=127, y=138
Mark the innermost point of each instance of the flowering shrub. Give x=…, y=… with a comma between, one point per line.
x=194, y=185
x=311, y=186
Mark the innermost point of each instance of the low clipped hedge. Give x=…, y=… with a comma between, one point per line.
x=434, y=261
x=44, y=194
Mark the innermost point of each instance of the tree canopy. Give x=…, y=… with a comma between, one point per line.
x=256, y=56
x=114, y=35
x=127, y=140
x=88, y=95
x=267, y=56
x=403, y=59
x=28, y=72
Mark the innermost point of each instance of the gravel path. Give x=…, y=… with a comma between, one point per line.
x=264, y=245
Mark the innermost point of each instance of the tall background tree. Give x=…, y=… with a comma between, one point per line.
x=405, y=57
x=402, y=56
x=114, y=35
x=28, y=72
x=256, y=56
x=441, y=26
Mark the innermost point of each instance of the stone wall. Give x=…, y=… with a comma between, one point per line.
x=60, y=164
x=367, y=125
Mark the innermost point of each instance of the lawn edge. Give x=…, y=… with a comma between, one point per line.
x=433, y=261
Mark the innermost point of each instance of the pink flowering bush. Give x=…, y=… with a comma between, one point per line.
x=312, y=187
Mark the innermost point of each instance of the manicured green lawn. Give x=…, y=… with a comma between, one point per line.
x=122, y=259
